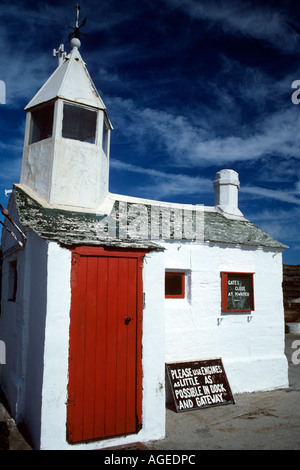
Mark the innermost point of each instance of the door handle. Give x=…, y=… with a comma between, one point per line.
x=127, y=320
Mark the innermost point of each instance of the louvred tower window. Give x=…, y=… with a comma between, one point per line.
x=79, y=123
x=41, y=123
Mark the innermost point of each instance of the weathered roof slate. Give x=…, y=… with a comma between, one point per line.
x=220, y=229
x=71, y=228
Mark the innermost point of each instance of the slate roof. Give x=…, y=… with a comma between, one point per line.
x=72, y=228
x=218, y=228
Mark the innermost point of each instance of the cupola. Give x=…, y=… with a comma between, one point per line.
x=67, y=138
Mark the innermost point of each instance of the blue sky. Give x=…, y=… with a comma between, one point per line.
x=191, y=87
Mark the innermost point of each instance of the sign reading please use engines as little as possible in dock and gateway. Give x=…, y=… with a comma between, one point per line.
x=199, y=384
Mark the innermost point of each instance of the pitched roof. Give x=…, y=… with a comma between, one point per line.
x=71, y=228
x=70, y=81
x=219, y=228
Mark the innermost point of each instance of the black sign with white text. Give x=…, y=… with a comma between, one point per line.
x=199, y=384
x=239, y=293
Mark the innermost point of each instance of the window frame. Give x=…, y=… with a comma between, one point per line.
x=224, y=290
x=67, y=131
x=12, y=280
x=182, y=275
x=105, y=135
x=47, y=108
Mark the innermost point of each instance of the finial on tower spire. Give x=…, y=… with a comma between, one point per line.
x=74, y=37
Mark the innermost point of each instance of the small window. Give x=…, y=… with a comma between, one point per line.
x=237, y=292
x=79, y=123
x=174, y=285
x=12, y=281
x=41, y=124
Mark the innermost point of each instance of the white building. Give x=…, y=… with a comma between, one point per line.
x=107, y=289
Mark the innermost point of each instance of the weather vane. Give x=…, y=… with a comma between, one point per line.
x=74, y=37
x=76, y=33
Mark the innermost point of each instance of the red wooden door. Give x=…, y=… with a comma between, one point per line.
x=105, y=371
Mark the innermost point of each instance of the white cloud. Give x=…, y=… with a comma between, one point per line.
x=281, y=224
x=189, y=145
x=275, y=194
x=240, y=17
x=186, y=139
x=165, y=184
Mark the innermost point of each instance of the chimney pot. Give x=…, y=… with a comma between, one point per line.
x=226, y=186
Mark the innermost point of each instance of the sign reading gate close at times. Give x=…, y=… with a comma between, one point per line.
x=237, y=292
x=199, y=384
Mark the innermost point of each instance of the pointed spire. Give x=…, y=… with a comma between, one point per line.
x=71, y=79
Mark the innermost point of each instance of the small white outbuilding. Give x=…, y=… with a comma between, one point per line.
x=107, y=289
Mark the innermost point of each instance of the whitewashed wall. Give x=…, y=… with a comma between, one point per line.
x=13, y=332
x=37, y=332
x=56, y=352
x=22, y=327
x=55, y=377
x=35, y=329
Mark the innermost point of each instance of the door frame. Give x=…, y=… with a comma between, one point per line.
x=109, y=252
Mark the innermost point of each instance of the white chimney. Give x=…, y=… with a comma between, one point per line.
x=226, y=186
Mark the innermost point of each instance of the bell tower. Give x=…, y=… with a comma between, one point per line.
x=67, y=137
